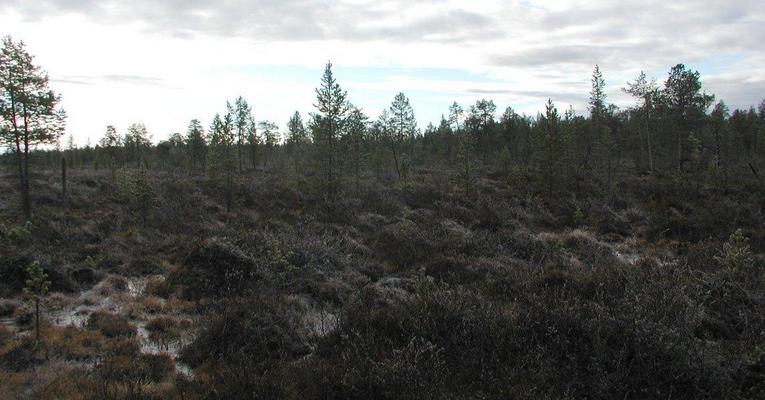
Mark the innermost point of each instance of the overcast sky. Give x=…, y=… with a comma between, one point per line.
x=164, y=62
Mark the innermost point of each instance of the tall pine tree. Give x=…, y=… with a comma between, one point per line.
x=327, y=124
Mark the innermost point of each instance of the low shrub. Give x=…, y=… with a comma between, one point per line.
x=110, y=325
x=403, y=244
x=22, y=355
x=250, y=331
x=216, y=269
x=7, y=307
x=164, y=330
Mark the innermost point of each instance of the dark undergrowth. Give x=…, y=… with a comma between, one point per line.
x=410, y=291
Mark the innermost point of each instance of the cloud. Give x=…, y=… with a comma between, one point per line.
x=282, y=20
x=111, y=78
x=518, y=52
x=133, y=79
x=72, y=81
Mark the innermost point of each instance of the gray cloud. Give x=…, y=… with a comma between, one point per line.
x=134, y=79
x=115, y=78
x=288, y=20
x=71, y=81
x=567, y=97
x=557, y=46
x=742, y=92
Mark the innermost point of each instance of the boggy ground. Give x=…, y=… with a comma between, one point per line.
x=413, y=290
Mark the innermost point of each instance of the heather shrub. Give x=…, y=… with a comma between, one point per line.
x=244, y=344
x=7, y=307
x=71, y=343
x=403, y=243
x=164, y=330
x=251, y=332
x=216, y=269
x=110, y=325
x=21, y=356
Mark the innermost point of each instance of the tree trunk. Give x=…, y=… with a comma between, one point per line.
x=63, y=177
x=20, y=162
x=239, y=152
x=648, y=138
x=26, y=204
x=37, y=320
x=679, y=152
x=23, y=185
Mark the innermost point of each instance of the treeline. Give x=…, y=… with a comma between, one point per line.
x=675, y=130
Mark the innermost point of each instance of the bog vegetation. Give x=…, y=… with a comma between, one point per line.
x=493, y=255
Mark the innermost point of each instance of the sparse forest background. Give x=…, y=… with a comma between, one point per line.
x=616, y=254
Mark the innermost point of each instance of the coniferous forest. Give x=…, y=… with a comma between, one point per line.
x=613, y=253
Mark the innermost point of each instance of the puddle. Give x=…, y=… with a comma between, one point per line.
x=172, y=349
x=75, y=311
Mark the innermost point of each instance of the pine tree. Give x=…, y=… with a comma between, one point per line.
x=481, y=121
x=35, y=289
x=568, y=138
x=378, y=140
x=326, y=127
x=222, y=161
x=111, y=138
x=686, y=106
x=137, y=142
x=297, y=139
x=242, y=117
x=355, y=135
x=401, y=127
x=253, y=141
x=505, y=162
x=646, y=91
x=196, y=144
x=63, y=177
x=465, y=149
x=112, y=171
x=29, y=113
x=142, y=195
x=549, y=153
x=112, y=143
x=736, y=254
x=269, y=132
x=455, y=116
x=594, y=146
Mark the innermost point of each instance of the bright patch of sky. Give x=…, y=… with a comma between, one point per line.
x=164, y=62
